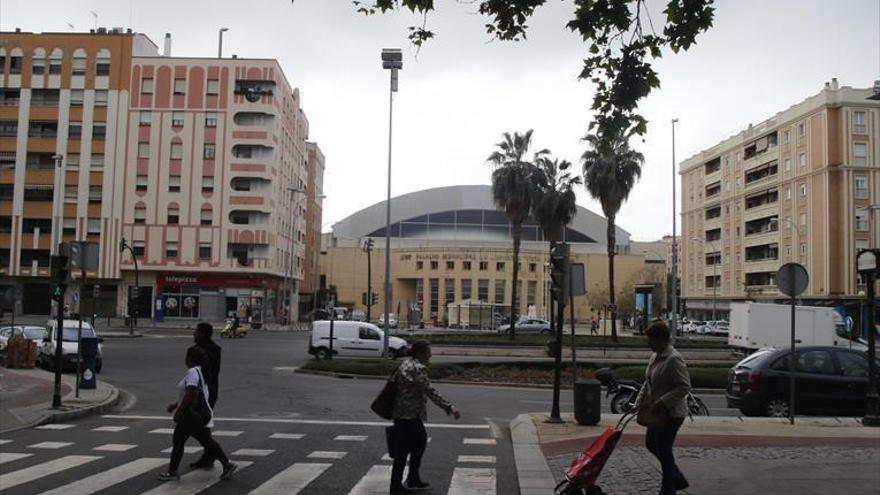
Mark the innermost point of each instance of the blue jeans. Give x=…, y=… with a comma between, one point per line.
x=659, y=441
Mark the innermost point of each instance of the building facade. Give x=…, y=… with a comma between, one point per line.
x=192, y=162
x=794, y=188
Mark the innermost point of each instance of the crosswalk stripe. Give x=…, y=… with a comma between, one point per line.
x=194, y=481
x=487, y=459
x=253, y=452
x=110, y=477
x=375, y=482
x=287, y=436
x=189, y=449
x=479, y=441
x=351, y=438
x=162, y=431
x=112, y=429
x=472, y=481
x=50, y=445
x=291, y=480
x=114, y=447
x=323, y=454
x=11, y=456
x=453, y=426
x=15, y=478
x=4, y=442
x=226, y=433
x=56, y=426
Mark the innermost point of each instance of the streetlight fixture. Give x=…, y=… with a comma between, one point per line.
x=866, y=264
x=220, y=42
x=392, y=59
x=674, y=315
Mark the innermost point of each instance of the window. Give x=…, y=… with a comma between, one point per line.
x=141, y=183
x=207, y=184
x=803, y=249
x=102, y=63
x=177, y=119
x=71, y=193
x=786, y=137
x=860, y=153
x=483, y=290
x=213, y=87
x=449, y=285
x=787, y=193
x=176, y=151
x=210, y=151
x=171, y=249
x=74, y=130
x=173, y=216
x=179, y=86
x=499, y=291
x=96, y=194
x=76, y=97
x=852, y=364
x=138, y=248
x=211, y=119
x=79, y=63
x=143, y=150
x=434, y=264
x=802, y=160
x=499, y=266
x=174, y=183
x=97, y=160
x=803, y=188
x=101, y=97
x=55, y=60
x=420, y=265
x=99, y=131
x=858, y=122
x=802, y=130
x=146, y=118
x=862, y=220
x=788, y=251
x=484, y=265
x=204, y=250
x=72, y=160
x=93, y=226
x=147, y=86
x=450, y=265
x=140, y=215
x=465, y=265
x=68, y=226
x=815, y=361
x=466, y=289
x=803, y=219
x=861, y=186
x=38, y=62
x=435, y=296
x=788, y=164
x=532, y=289
x=207, y=217
x=533, y=267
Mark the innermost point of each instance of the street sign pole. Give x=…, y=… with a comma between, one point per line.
x=867, y=265
x=792, y=280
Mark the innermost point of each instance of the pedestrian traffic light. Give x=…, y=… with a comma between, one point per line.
x=559, y=270
x=58, y=272
x=364, y=298
x=135, y=292
x=374, y=300
x=96, y=291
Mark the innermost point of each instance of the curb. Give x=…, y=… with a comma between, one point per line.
x=79, y=412
x=532, y=471
x=120, y=335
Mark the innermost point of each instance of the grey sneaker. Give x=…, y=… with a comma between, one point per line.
x=228, y=470
x=169, y=476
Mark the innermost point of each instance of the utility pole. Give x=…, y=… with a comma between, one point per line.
x=560, y=279
x=368, y=248
x=392, y=60
x=674, y=289
x=867, y=261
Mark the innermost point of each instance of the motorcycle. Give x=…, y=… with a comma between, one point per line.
x=231, y=330
x=626, y=391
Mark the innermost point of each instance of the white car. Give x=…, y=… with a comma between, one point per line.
x=31, y=332
x=392, y=321
x=528, y=325
x=694, y=326
x=352, y=339
x=69, y=345
x=721, y=328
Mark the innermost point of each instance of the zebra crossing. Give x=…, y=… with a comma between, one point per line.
x=110, y=457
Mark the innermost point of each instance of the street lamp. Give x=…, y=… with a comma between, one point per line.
x=674, y=284
x=714, y=276
x=220, y=42
x=392, y=59
x=866, y=264
x=134, y=294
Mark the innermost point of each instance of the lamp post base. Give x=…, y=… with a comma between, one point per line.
x=872, y=416
x=554, y=420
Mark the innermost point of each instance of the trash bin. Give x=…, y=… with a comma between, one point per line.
x=89, y=354
x=587, y=402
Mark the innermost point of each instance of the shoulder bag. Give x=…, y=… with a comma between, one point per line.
x=646, y=415
x=383, y=405
x=198, y=414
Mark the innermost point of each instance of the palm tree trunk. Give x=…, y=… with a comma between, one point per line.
x=517, y=235
x=612, y=240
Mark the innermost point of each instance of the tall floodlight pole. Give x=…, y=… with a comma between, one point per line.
x=674, y=290
x=392, y=59
x=220, y=42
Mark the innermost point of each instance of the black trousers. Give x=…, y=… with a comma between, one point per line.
x=203, y=435
x=659, y=441
x=411, y=439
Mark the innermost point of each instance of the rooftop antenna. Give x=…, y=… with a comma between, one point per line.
x=95, y=15
x=71, y=26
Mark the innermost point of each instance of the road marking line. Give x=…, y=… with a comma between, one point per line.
x=189, y=449
x=253, y=452
x=110, y=477
x=350, y=438
x=114, y=447
x=112, y=429
x=287, y=436
x=375, y=482
x=193, y=481
x=479, y=441
x=4, y=442
x=50, y=445
x=162, y=431
x=15, y=478
x=487, y=459
x=387, y=457
x=291, y=480
x=226, y=433
x=58, y=426
x=325, y=454
x=472, y=481
x=11, y=456
x=304, y=422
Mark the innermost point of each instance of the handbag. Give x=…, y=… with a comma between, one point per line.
x=198, y=414
x=383, y=405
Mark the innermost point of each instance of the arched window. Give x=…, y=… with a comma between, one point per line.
x=79, y=62
x=38, y=62
x=102, y=63
x=55, y=60
x=2, y=60
x=15, y=61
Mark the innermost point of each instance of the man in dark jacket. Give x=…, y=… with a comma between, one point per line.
x=211, y=369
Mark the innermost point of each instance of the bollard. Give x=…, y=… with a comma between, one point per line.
x=587, y=402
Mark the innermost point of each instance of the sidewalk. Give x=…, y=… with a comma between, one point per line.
x=719, y=455
x=26, y=398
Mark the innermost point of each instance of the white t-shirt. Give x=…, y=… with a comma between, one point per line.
x=191, y=379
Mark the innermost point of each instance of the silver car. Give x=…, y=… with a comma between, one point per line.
x=31, y=332
x=528, y=325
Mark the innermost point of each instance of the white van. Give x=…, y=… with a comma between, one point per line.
x=352, y=339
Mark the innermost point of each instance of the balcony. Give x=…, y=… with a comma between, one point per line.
x=256, y=185
x=762, y=174
x=254, y=91
x=252, y=152
x=254, y=119
x=251, y=218
x=247, y=255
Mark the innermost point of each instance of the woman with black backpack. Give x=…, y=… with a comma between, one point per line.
x=193, y=417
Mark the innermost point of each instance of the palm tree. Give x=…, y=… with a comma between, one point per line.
x=514, y=191
x=611, y=169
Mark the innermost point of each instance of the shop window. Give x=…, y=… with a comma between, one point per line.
x=181, y=302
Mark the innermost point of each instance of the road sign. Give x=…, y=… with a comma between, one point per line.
x=577, y=279
x=792, y=279
x=866, y=261
x=612, y=307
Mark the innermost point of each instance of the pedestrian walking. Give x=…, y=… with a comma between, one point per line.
x=662, y=404
x=594, y=326
x=410, y=414
x=193, y=417
x=211, y=371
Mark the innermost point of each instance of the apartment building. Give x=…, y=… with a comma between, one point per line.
x=795, y=187
x=193, y=162
x=314, y=197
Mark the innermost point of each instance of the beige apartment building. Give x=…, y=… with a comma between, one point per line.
x=201, y=165
x=794, y=188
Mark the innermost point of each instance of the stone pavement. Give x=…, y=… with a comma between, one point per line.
x=26, y=398
x=726, y=455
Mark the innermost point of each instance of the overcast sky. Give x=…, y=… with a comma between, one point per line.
x=463, y=90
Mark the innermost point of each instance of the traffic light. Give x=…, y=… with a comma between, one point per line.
x=374, y=300
x=559, y=262
x=96, y=291
x=135, y=292
x=364, y=298
x=59, y=274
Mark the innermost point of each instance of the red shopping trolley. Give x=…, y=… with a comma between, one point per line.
x=581, y=475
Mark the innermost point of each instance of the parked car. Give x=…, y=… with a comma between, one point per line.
x=352, y=339
x=392, y=321
x=358, y=315
x=720, y=328
x=32, y=332
x=695, y=326
x=69, y=345
x=528, y=325
x=828, y=380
